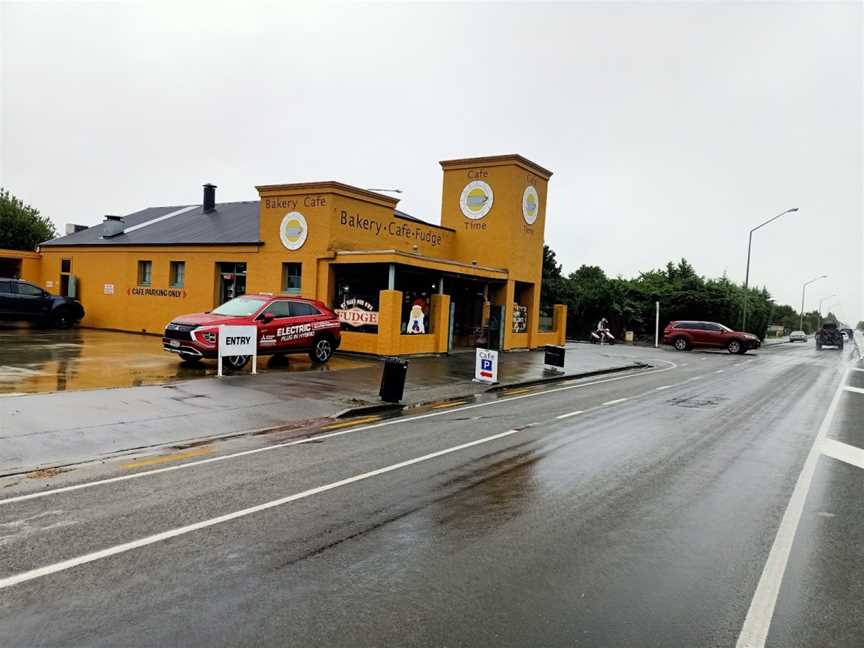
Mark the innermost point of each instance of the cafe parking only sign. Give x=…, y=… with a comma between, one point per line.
x=486, y=366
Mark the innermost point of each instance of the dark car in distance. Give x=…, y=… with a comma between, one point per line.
x=24, y=301
x=688, y=334
x=285, y=325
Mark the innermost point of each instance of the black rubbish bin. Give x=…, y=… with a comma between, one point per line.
x=393, y=380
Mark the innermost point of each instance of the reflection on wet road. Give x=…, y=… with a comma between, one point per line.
x=41, y=360
x=646, y=520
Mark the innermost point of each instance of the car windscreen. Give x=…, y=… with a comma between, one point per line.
x=239, y=307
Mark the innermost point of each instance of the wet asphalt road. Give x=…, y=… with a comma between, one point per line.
x=644, y=520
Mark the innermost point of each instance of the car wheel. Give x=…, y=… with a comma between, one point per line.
x=235, y=363
x=735, y=346
x=818, y=346
x=61, y=319
x=190, y=359
x=322, y=350
x=681, y=344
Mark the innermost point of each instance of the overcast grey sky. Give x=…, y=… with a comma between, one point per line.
x=672, y=128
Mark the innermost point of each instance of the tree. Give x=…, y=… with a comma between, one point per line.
x=552, y=287
x=21, y=226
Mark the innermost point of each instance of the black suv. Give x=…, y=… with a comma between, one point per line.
x=20, y=300
x=829, y=335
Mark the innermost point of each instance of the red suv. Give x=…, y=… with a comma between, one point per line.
x=686, y=335
x=285, y=325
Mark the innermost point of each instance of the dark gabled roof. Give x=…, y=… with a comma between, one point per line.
x=229, y=224
x=233, y=223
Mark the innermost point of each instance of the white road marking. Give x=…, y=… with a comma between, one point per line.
x=695, y=378
x=854, y=390
x=616, y=401
x=856, y=369
x=23, y=577
x=719, y=371
x=318, y=437
x=662, y=388
x=569, y=414
x=754, y=632
x=843, y=452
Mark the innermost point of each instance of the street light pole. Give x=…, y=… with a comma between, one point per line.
x=821, y=301
x=803, y=290
x=747, y=274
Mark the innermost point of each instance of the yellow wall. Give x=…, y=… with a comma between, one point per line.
x=94, y=267
x=31, y=264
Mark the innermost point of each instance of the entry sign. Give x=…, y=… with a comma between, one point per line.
x=486, y=366
x=238, y=340
x=553, y=358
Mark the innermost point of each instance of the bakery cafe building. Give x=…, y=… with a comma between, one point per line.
x=401, y=285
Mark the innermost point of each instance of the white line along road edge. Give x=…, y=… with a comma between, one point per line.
x=319, y=437
x=754, y=632
x=173, y=533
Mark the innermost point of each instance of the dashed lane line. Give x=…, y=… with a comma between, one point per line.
x=569, y=414
x=615, y=402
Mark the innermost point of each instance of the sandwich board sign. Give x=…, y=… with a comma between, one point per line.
x=486, y=366
x=238, y=341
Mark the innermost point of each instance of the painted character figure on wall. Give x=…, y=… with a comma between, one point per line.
x=415, y=321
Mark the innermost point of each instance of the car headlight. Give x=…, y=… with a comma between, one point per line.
x=207, y=337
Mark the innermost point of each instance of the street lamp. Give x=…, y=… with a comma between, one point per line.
x=803, y=290
x=821, y=301
x=747, y=275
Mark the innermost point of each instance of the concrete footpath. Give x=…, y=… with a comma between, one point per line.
x=62, y=428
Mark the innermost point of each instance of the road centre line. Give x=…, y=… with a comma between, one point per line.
x=843, y=452
x=63, y=565
x=663, y=387
x=319, y=437
x=754, y=632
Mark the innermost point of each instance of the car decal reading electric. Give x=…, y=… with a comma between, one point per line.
x=288, y=333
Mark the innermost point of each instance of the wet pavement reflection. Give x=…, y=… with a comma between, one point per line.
x=34, y=360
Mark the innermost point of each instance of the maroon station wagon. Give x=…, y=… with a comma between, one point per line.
x=285, y=325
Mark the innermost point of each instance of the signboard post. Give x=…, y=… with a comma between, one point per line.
x=553, y=359
x=238, y=341
x=486, y=366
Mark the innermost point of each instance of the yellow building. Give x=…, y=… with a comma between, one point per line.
x=401, y=285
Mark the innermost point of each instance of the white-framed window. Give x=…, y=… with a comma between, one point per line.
x=292, y=278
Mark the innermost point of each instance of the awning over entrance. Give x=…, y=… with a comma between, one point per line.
x=420, y=261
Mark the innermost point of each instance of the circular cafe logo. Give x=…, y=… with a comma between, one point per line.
x=530, y=205
x=293, y=230
x=476, y=199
